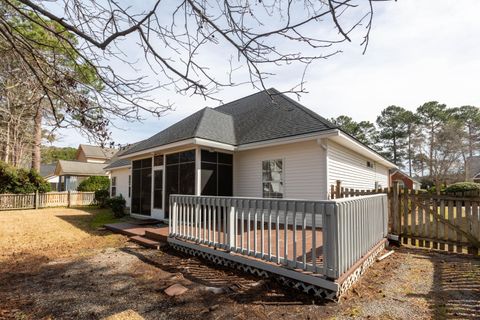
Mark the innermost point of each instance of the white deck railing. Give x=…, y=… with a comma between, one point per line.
x=324, y=237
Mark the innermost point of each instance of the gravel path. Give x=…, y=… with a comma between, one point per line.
x=78, y=273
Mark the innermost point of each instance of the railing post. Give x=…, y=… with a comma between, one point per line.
x=68, y=198
x=330, y=261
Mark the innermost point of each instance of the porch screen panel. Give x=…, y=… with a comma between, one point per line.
x=158, y=188
x=180, y=175
x=217, y=174
x=142, y=186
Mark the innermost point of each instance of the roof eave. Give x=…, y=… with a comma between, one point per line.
x=181, y=143
x=290, y=139
x=362, y=149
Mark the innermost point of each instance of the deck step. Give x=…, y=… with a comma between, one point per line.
x=145, y=242
x=157, y=235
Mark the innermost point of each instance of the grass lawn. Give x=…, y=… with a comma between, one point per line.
x=102, y=217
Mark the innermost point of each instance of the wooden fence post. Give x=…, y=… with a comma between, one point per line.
x=396, y=212
x=338, y=191
x=37, y=200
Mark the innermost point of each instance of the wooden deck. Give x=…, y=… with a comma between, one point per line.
x=255, y=243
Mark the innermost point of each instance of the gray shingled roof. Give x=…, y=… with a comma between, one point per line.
x=98, y=152
x=47, y=170
x=258, y=117
x=79, y=168
x=118, y=163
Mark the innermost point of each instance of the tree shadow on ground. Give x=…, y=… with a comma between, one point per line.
x=92, y=222
x=455, y=292
x=115, y=281
x=240, y=287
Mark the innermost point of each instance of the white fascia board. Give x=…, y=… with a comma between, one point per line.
x=117, y=168
x=214, y=144
x=149, y=152
x=358, y=147
x=298, y=138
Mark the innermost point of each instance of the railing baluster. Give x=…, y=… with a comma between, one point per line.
x=314, y=235
x=285, y=233
x=269, y=230
x=214, y=222
x=248, y=227
x=255, y=228
x=262, y=224
x=209, y=209
x=242, y=226
x=294, y=232
x=304, y=236
x=277, y=234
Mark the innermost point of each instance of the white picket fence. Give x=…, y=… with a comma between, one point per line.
x=9, y=201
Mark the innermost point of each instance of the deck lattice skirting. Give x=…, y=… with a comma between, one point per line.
x=319, y=247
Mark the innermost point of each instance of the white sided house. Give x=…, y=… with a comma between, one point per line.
x=265, y=145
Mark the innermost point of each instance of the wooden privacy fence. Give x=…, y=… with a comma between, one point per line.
x=46, y=200
x=444, y=222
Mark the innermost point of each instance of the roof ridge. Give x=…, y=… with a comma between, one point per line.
x=197, y=125
x=309, y=112
x=252, y=94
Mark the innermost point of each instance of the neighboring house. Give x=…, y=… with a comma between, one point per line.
x=120, y=172
x=404, y=179
x=94, y=154
x=90, y=161
x=47, y=171
x=472, y=169
x=251, y=147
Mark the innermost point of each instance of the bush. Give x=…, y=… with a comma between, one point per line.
x=434, y=189
x=94, y=183
x=13, y=180
x=463, y=187
x=118, y=205
x=101, y=197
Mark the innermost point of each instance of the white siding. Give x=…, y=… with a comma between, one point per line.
x=303, y=170
x=122, y=182
x=351, y=168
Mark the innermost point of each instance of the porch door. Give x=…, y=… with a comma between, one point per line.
x=157, y=211
x=142, y=186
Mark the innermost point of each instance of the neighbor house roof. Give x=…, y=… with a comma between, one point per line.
x=97, y=152
x=79, y=168
x=118, y=163
x=259, y=117
x=397, y=171
x=47, y=170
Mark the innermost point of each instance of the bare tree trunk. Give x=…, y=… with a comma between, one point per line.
x=37, y=138
x=7, y=144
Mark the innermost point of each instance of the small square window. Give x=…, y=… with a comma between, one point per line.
x=369, y=164
x=158, y=161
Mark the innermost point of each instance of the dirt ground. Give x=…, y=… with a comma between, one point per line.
x=55, y=265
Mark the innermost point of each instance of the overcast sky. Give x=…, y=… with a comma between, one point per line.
x=419, y=51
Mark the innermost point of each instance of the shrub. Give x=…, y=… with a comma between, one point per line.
x=101, y=197
x=463, y=187
x=14, y=180
x=118, y=205
x=94, y=183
